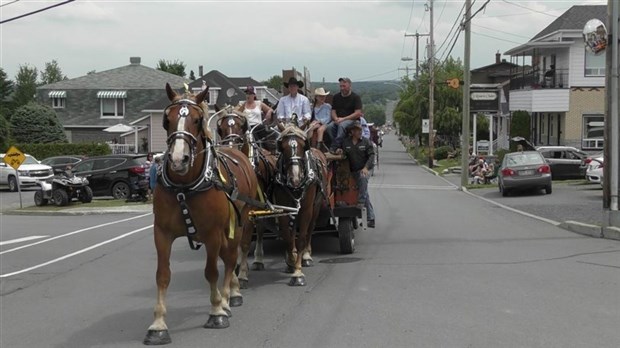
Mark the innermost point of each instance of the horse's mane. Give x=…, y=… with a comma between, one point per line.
x=292, y=130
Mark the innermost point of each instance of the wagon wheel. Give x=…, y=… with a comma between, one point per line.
x=61, y=197
x=346, y=235
x=86, y=196
x=39, y=200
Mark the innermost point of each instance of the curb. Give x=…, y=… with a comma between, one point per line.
x=582, y=228
x=611, y=232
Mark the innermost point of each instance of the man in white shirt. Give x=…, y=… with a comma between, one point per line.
x=294, y=103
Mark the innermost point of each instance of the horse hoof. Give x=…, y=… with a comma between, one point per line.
x=297, y=281
x=243, y=283
x=217, y=322
x=236, y=301
x=306, y=263
x=289, y=269
x=157, y=338
x=228, y=312
x=258, y=266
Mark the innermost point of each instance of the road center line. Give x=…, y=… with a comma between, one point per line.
x=19, y=240
x=75, y=253
x=72, y=233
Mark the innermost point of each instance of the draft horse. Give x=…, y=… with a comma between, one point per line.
x=233, y=130
x=202, y=194
x=301, y=182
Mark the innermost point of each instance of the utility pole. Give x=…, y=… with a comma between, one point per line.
x=417, y=50
x=466, y=85
x=406, y=68
x=431, y=96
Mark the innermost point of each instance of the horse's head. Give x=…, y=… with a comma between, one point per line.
x=187, y=129
x=292, y=146
x=232, y=127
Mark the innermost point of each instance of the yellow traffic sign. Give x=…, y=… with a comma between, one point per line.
x=14, y=158
x=454, y=83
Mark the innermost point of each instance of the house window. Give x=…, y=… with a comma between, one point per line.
x=595, y=65
x=112, y=103
x=593, y=131
x=58, y=99
x=213, y=94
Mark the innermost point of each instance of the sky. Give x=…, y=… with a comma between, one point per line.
x=360, y=39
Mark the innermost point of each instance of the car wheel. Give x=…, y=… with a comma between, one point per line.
x=505, y=192
x=548, y=189
x=120, y=190
x=61, y=197
x=13, y=184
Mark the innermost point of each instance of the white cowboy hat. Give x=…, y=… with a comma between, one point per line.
x=320, y=91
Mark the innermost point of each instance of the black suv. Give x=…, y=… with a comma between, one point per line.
x=112, y=175
x=60, y=163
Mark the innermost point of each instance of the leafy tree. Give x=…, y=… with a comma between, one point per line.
x=4, y=133
x=6, y=89
x=520, y=125
x=52, y=73
x=482, y=127
x=274, y=82
x=36, y=123
x=375, y=113
x=26, y=86
x=191, y=75
x=177, y=67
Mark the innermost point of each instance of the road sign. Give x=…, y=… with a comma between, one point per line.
x=454, y=83
x=425, y=126
x=14, y=158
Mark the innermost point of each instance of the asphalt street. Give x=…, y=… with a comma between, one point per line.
x=443, y=268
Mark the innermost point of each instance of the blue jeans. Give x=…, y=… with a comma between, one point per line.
x=362, y=194
x=338, y=132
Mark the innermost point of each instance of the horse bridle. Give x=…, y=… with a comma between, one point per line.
x=307, y=171
x=186, y=136
x=231, y=138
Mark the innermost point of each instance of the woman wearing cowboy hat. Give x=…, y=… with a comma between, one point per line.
x=321, y=116
x=294, y=103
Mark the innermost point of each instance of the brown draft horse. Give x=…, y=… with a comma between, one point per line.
x=195, y=198
x=232, y=127
x=301, y=182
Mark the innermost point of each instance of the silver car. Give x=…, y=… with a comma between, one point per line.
x=524, y=170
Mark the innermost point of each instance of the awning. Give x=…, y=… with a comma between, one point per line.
x=112, y=94
x=57, y=94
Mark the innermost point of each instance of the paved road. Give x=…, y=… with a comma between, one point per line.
x=442, y=269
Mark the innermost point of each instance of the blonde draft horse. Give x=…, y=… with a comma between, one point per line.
x=193, y=200
x=301, y=181
x=231, y=128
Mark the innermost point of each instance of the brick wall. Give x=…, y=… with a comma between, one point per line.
x=583, y=100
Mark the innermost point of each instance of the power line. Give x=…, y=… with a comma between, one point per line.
x=499, y=31
x=456, y=21
x=381, y=74
x=531, y=9
x=496, y=38
x=8, y=3
x=37, y=11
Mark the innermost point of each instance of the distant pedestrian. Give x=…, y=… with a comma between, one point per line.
x=153, y=174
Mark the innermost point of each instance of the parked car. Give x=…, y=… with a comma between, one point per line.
x=565, y=161
x=30, y=171
x=594, y=173
x=583, y=167
x=524, y=170
x=112, y=175
x=60, y=163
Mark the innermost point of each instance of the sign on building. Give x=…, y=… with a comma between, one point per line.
x=425, y=126
x=484, y=101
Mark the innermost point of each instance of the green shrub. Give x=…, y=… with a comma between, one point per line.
x=442, y=152
x=41, y=151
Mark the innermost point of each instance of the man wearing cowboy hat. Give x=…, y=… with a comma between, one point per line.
x=361, y=155
x=294, y=103
x=346, y=108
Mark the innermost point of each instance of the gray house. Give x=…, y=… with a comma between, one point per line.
x=89, y=104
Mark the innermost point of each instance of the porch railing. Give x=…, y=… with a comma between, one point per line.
x=536, y=79
x=592, y=144
x=122, y=148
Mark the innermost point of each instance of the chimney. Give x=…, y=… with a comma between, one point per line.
x=200, y=70
x=134, y=60
x=498, y=57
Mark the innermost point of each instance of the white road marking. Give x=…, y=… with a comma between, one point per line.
x=19, y=240
x=75, y=253
x=72, y=233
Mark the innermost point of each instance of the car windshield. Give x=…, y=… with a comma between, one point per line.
x=522, y=159
x=30, y=160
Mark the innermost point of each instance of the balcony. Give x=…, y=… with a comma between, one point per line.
x=536, y=79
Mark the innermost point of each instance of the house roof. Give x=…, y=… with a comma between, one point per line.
x=496, y=67
x=574, y=19
x=244, y=81
x=132, y=76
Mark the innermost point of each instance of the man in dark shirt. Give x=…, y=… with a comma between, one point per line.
x=346, y=108
x=361, y=155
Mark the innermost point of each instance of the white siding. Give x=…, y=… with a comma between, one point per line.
x=520, y=100
x=577, y=70
x=550, y=100
x=158, y=134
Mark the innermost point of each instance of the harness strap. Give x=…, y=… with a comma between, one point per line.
x=189, y=223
